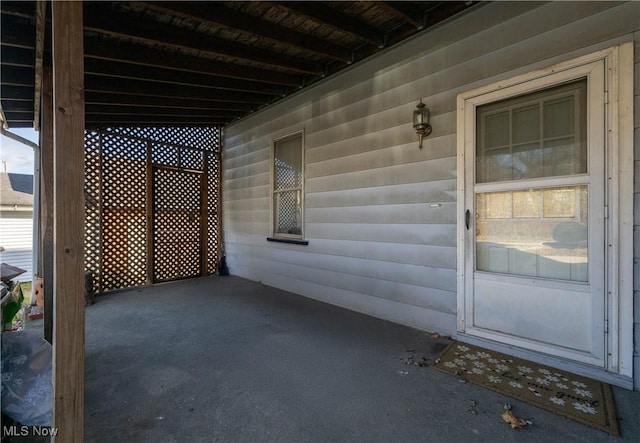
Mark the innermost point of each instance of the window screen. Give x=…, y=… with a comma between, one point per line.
x=287, y=186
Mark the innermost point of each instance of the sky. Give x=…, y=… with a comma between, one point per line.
x=18, y=157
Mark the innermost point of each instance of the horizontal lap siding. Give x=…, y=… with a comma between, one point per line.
x=380, y=214
x=16, y=234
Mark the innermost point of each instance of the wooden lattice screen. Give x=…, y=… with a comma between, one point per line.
x=152, y=202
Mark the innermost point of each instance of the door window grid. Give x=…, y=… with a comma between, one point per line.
x=538, y=135
x=542, y=231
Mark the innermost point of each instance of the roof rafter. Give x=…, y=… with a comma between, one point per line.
x=338, y=20
x=105, y=68
x=170, y=90
x=134, y=120
x=406, y=11
x=96, y=47
x=17, y=31
x=221, y=16
x=108, y=98
x=92, y=109
x=102, y=20
x=16, y=56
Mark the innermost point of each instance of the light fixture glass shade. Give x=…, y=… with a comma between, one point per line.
x=420, y=116
x=421, y=122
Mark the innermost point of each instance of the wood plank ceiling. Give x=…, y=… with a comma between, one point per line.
x=202, y=63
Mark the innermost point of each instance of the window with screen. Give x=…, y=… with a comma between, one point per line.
x=288, y=179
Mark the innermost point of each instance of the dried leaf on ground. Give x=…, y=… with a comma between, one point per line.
x=435, y=335
x=515, y=422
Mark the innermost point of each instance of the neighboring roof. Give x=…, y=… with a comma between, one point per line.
x=16, y=190
x=157, y=63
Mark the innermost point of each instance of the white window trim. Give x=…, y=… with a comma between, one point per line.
x=619, y=118
x=278, y=235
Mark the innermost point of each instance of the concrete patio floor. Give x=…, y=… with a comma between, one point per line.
x=224, y=359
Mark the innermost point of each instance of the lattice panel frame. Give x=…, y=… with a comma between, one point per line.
x=124, y=221
x=118, y=209
x=203, y=138
x=214, y=204
x=92, y=214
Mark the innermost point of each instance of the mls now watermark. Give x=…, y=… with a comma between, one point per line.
x=28, y=431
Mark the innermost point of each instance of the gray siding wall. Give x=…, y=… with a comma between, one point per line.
x=380, y=213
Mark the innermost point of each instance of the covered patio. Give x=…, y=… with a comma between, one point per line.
x=231, y=360
x=309, y=178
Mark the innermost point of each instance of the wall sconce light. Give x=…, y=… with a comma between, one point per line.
x=421, y=122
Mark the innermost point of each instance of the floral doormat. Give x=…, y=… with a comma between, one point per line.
x=582, y=399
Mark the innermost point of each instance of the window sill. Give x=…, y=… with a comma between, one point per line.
x=292, y=241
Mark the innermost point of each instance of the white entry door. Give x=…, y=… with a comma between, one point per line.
x=534, y=214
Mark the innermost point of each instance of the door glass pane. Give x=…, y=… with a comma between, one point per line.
x=562, y=157
x=538, y=232
x=497, y=129
x=542, y=134
x=558, y=117
x=528, y=161
x=526, y=124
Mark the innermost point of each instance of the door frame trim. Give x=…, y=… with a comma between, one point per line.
x=618, y=188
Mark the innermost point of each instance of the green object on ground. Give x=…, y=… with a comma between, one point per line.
x=11, y=306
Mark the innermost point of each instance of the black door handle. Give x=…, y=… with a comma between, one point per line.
x=467, y=218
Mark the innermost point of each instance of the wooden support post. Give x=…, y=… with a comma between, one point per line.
x=46, y=199
x=68, y=155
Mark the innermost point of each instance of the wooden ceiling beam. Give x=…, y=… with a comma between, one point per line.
x=97, y=67
x=17, y=31
x=17, y=49
x=18, y=76
x=18, y=8
x=16, y=92
x=17, y=56
x=114, y=50
x=331, y=17
x=221, y=16
x=444, y=10
x=147, y=111
x=405, y=11
x=168, y=90
x=131, y=120
x=102, y=98
x=17, y=106
x=15, y=116
x=102, y=20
